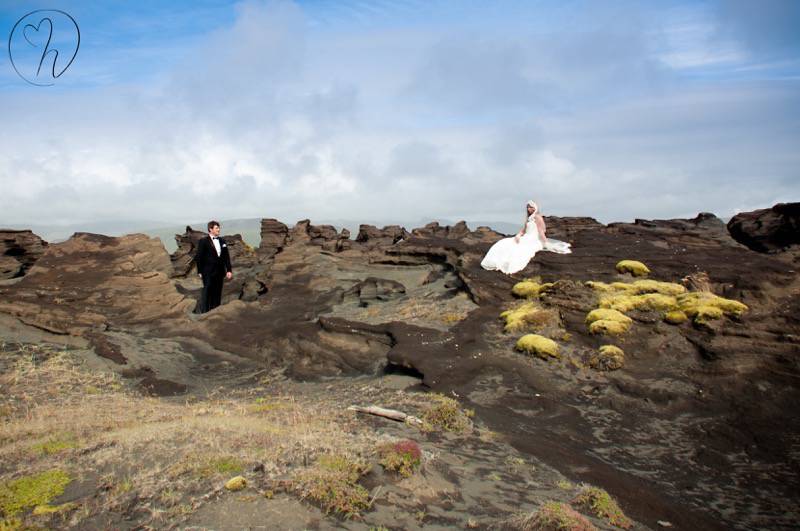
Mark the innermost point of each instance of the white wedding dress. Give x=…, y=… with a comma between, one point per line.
x=509, y=256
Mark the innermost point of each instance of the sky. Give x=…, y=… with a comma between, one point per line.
x=399, y=110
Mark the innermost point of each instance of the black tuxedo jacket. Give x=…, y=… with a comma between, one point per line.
x=208, y=263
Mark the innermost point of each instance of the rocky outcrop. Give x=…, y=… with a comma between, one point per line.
x=91, y=281
x=375, y=289
x=565, y=228
x=434, y=230
x=371, y=236
x=324, y=236
x=19, y=250
x=704, y=231
x=767, y=230
x=273, y=237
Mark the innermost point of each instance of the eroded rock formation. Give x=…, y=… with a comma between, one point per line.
x=768, y=230
x=19, y=250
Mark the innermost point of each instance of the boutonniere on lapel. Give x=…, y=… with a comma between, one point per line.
x=224, y=244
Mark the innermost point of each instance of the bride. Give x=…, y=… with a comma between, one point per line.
x=510, y=255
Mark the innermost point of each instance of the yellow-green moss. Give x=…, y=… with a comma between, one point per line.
x=601, y=504
x=446, y=414
x=263, y=405
x=647, y=301
x=529, y=289
x=30, y=491
x=633, y=267
x=656, y=286
x=217, y=465
x=609, y=358
x=675, y=317
x=527, y=315
x=637, y=287
x=607, y=314
x=56, y=444
x=539, y=346
x=609, y=328
x=236, y=483
x=703, y=306
x=50, y=509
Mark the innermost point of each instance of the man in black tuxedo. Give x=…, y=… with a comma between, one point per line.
x=213, y=265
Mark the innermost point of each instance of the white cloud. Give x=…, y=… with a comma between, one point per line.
x=269, y=118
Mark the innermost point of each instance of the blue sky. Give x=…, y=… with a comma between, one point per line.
x=404, y=110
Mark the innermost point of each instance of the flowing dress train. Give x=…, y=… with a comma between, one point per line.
x=509, y=256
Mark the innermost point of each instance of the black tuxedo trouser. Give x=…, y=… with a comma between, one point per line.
x=211, y=296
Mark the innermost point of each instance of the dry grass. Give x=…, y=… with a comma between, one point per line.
x=162, y=454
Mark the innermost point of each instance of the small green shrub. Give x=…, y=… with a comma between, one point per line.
x=403, y=457
x=333, y=484
x=601, y=504
x=446, y=414
x=552, y=516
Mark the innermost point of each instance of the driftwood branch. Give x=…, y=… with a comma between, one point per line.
x=387, y=413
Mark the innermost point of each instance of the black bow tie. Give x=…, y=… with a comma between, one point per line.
x=215, y=238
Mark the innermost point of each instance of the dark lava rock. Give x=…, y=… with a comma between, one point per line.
x=434, y=230
x=273, y=237
x=324, y=236
x=767, y=230
x=376, y=289
x=373, y=236
x=92, y=281
x=19, y=250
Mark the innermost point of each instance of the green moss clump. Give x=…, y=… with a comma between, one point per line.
x=333, y=484
x=55, y=444
x=446, y=414
x=609, y=358
x=538, y=346
x=607, y=314
x=601, y=504
x=214, y=466
x=608, y=328
x=703, y=306
x=638, y=287
x=675, y=317
x=529, y=289
x=30, y=491
x=656, y=286
x=526, y=316
x=50, y=509
x=633, y=267
x=236, y=483
x=553, y=516
x=646, y=301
